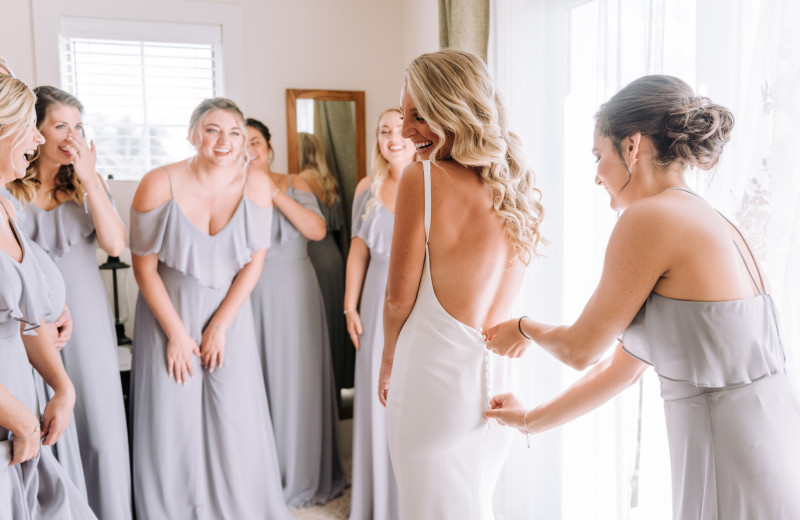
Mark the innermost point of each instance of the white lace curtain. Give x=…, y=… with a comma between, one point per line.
x=556, y=61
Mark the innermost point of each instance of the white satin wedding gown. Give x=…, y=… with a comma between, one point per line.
x=445, y=455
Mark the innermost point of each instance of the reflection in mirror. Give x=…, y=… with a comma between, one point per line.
x=336, y=119
x=326, y=146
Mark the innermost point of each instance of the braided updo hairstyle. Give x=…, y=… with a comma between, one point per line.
x=685, y=129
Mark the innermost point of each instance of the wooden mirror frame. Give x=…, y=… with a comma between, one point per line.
x=292, y=95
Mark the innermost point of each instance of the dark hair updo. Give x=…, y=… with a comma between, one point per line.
x=264, y=131
x=684, y=128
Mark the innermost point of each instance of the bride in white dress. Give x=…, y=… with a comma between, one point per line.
x=466, y=224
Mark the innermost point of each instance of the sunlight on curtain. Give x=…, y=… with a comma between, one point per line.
x=556, y=62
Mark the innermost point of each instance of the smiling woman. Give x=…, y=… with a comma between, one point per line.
x=199, y=231
x=69, y=212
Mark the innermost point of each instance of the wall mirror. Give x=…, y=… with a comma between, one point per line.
x=336, y=119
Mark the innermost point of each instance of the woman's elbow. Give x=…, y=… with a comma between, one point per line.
x=393, y=306
x=580, y=360
x=114, y=247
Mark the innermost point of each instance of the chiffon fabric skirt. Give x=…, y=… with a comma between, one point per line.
x=295, y=355
x=38, y=488
x=204, y=451
x=329, y=266
x=374, y=493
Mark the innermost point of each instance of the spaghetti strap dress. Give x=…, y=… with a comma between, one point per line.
x=374, y=490
x=66, y=449
x=447, y=457
x=329, y=266
x=39, y=487
x=292, y=336
x=68, y=236
x=733, y=419
x=204, y=451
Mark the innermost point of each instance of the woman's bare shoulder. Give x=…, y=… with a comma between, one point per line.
x=259, y=187
x=363, y=185
x=154, y=189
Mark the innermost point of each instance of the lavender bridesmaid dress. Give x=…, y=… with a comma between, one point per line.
x=66, y=450
x=329, y=266
x=203, y=451
x=293, y=339
x=733, y=419
x=374, y=494
x=68, y=236
x=37, y=488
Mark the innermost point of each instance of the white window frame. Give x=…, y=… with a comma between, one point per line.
x=227, y=15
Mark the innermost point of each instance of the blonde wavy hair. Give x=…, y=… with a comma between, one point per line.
x=17, y=109
x=66, y=183
x=380, y=166
x=312, y=158
x=5, y=66
x=204, y=108
x=452, y=91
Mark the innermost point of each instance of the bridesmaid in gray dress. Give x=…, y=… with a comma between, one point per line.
x=293, y=340
x=69, y=213
x=203, y=442
x=683, y=288
x=32, y=483
x=374, y=487
x=327, y=257
x=59, y=324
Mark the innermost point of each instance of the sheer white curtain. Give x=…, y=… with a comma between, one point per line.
x=556, y=61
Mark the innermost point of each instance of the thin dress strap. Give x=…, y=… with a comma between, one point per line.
x=426, y=181
x=758, y=285
x=169, y=180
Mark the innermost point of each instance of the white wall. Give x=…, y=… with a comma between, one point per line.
x=268, y=46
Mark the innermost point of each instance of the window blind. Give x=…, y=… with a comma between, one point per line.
x=137, y=95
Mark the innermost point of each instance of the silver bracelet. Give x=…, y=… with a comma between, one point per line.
x=216, y=326
x=275, y=192
x=525, y=424
x=29, y=435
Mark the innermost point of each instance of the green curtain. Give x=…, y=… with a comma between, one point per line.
x=464, y=25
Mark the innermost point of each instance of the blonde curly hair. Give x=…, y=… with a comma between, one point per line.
x=452, y=91
x=312, y=158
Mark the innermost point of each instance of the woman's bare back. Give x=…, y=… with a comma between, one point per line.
x=474, y=273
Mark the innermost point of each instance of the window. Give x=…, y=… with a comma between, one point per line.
x=138, y=83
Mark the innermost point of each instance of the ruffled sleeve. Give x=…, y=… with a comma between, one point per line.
x=148, y=229
x=24, y=293
x=375, y=229
x=212, y=260
x=707, y=344
x=359, y=209
x=57, y=230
